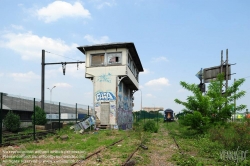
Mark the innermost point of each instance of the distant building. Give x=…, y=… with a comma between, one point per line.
x=114, y=70
x=148, y=109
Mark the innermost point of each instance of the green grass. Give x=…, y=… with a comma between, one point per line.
x=197, y=149
x=202, y=149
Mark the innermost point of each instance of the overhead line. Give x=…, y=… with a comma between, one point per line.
x=61, y=55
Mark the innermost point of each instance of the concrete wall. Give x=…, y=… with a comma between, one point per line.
x=124, y=108
x=107, y=94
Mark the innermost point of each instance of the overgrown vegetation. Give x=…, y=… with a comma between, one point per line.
x=40, y=116
x=204, y=111
x=12, y=121
x=232, y=136
x=150, y=126
x=218, y=146
x=205, y=125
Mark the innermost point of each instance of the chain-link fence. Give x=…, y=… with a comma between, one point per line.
x=57, y=114
x=147, y=115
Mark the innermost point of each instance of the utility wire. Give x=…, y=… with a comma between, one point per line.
x=61, y=55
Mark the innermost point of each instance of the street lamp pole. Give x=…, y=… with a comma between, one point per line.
x=50, y=101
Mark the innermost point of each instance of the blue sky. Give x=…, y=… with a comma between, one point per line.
x=173, y=38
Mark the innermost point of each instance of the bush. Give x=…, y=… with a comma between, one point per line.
x=40, y=116
x=150, y=126
x=12, y=121
x=196, y=122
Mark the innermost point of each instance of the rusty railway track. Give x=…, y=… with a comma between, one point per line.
x=14, y=139
x=177, y=145
x=128, y=159
x=95, y=153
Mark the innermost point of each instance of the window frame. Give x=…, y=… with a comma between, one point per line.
x=99, y=54
x=118, y=54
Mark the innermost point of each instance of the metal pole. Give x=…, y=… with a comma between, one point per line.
x=234, y=103
x=88, y=110
x=221, y=69
x=59, y=115
x=42, y=79
x=1, y=116
x=34, y=118
x=226, y=69
x=50, y=109
x=50, y=104
x=221, y=66
x=76, y=112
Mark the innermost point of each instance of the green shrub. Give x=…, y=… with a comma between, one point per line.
x=150, y=126
x=196, y=122
x=40, y=116
x=12, y=121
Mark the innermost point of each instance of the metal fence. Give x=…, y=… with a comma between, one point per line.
x=147, y=115
x=57, y=113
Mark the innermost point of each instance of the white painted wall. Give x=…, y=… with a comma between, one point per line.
x=105, y=87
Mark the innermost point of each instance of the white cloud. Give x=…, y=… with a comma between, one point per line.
x=146, y=71
x=88, y=94
x=160, y=59
x=91, y=39
x=100, y=4
x=141, y=87
x=30, y=46
x=181, y=90
x=106, y=3
x=1, y=74
x=62, y=85
x=24, y=77
x=150, y=95
x=17, y=27
x=159, y=81
x=60, y=9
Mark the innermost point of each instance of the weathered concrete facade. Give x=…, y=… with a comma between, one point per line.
x=114, y=70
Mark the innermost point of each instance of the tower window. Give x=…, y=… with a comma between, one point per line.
x=97, y=60
x=114, y=58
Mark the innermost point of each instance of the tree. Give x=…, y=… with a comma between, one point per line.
x=40, y=116
x=215, y=106
x=12, y=121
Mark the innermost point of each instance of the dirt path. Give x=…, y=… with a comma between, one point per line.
x=161, y=147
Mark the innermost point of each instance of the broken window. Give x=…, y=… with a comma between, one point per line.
x=114, y=58
x=97, y=60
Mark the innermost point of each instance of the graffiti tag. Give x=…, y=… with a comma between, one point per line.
x=107, y=96
x=104, y=78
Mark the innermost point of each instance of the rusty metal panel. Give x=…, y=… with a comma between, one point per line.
x=211, y=73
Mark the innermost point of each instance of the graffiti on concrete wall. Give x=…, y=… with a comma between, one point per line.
x=126, y=103
x=125, y=118
x=105, y=96
x=124, y=111
x=104, y=78
x=98, y=110
x=112, y=114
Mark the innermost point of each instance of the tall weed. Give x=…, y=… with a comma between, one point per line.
x=232, y=135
